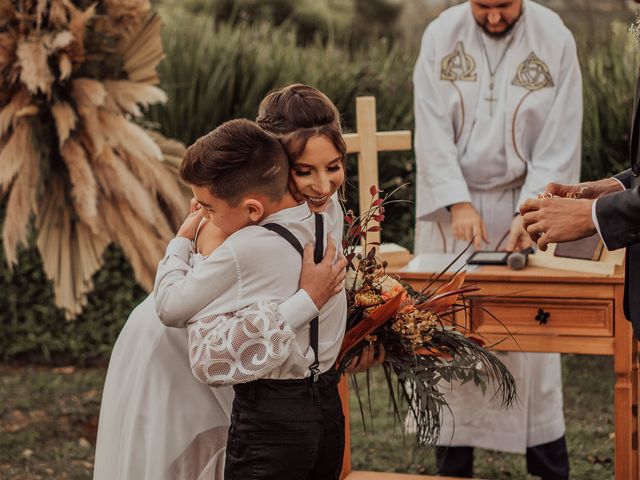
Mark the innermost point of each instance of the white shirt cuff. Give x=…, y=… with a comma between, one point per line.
x=298, y=310
x=594, y=218
x=623, y=188
x=180, y=247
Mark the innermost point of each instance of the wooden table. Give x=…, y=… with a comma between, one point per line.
x=585, y=316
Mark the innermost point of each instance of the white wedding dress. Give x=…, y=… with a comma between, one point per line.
x=157, y=422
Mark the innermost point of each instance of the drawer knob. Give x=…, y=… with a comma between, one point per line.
x=543, y=317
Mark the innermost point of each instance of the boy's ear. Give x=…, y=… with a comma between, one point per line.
x=254, y=209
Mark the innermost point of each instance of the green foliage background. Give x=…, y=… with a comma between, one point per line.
x=218, y=69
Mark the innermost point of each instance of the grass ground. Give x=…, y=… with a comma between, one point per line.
x=48, y=420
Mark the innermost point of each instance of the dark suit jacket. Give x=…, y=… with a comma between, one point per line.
x=618, y=217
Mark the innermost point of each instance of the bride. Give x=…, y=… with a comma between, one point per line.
x=156, y=420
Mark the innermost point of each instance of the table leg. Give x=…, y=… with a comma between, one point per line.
x=625, y=367
x=634, y=407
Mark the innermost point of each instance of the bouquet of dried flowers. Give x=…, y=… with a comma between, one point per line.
x=75, y=154
x=416, y=329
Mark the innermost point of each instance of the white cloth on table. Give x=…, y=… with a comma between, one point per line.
x=466, y=154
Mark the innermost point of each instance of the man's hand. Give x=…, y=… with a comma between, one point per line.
x=557, y=220
x=189, y=227
x=326, y=279
x=467, y=224
x=518, y=237
x=590, y=190
x=366, y=360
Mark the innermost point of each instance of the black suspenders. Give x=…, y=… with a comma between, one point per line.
x=317, y=258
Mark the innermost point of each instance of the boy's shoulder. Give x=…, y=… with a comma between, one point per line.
x=298, y=220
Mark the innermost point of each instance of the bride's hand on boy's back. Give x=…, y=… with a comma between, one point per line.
x=326, y=279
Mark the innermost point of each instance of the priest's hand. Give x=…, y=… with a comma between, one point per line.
x=518, y=237
x=585, y=189
x=467, y=224
x=557, y=220
x=326, y=279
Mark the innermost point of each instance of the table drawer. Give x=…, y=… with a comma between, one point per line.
x=531, y=316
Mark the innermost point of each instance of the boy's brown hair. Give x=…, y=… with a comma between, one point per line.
x=236, y=159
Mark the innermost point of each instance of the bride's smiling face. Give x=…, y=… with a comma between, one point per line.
x=318, y=173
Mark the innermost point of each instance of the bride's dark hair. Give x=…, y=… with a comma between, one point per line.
x=298, y=112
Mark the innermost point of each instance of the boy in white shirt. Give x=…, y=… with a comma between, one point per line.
x=286, y=421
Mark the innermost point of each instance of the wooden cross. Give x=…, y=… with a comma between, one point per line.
x=367, y=142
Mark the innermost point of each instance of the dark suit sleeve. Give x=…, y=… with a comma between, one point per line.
x=625, y=178
x=618, y=217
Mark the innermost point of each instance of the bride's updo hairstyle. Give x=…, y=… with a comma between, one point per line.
x=298, y=112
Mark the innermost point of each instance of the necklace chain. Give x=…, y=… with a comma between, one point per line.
x=492, y=72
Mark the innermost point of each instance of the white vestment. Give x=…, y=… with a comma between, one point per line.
x=495, y=151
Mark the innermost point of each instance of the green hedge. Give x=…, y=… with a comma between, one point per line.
x=216, y=72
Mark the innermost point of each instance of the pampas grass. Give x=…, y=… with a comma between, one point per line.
x=77, y=74
x=65, y=118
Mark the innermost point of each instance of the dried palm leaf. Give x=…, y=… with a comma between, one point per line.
x=172, y=150
x=58, y=40
x=84, y=190
x=98, y=66
x=117, y=180
x=70, y=252
x=77, y=25
x=142, y=51
x=35, y=73
x=22, y=200
x=128, y=95
x=89, y=95
x=13, y=155
x=140, y=244
x=40, y=8
x=65, y=119
x=58, y=18
x=88, y=92
x=172, y=153
x=128, y=13
x=119, y=132
x=163, y=182
x=7, y=47
x=7, y=114
x=64, y=64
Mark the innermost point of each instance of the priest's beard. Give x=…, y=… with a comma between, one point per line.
x=502, y=34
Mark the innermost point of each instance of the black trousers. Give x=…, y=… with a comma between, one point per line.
x=286, y=430
x=548, y=461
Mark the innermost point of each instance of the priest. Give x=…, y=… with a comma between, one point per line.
x=498, y=110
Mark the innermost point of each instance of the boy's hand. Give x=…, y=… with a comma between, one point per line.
x=326, y=279
x=189, y=227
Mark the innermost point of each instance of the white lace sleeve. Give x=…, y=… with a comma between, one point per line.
x=239, y=347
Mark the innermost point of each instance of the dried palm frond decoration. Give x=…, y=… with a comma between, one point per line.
x=75, y=161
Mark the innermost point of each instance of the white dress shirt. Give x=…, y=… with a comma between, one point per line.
x=253, y=267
